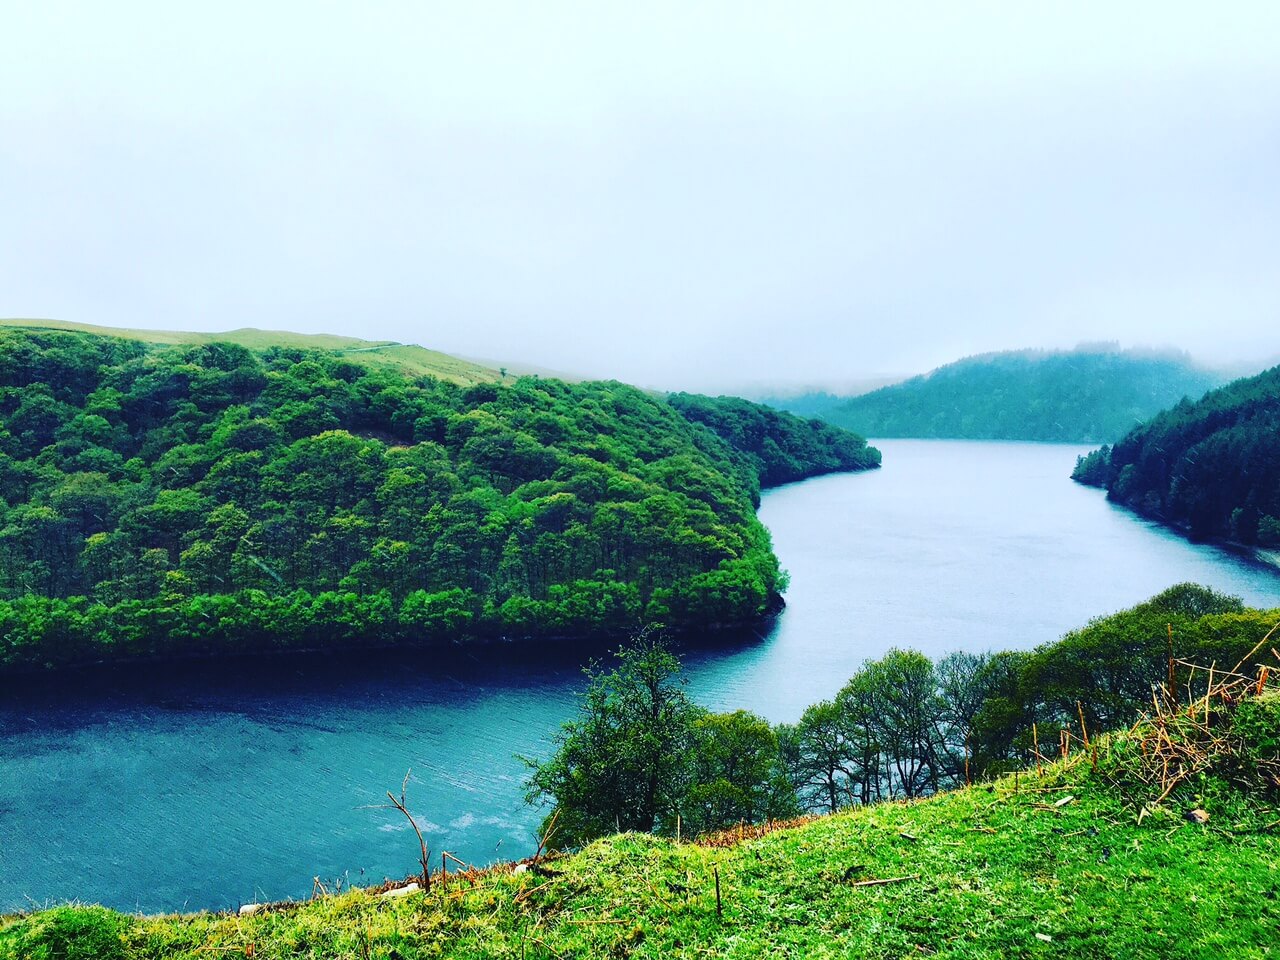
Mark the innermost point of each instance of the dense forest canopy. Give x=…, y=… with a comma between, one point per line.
x=1211, y=467
x=773, y=446
x=1092, y=394
x=212, y=498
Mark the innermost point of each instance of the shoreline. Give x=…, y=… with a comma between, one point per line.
x=1264, y=556
x=705, y=637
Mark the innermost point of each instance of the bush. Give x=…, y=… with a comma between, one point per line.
x=68, y=933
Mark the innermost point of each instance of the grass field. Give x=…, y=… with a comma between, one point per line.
x=406, y=358
x=1009, y=869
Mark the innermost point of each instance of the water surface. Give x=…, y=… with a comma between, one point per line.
x=209, y=786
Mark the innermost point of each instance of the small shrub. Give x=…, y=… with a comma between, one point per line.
x=1224, y=746
x=1257, y=727
x=69, y=933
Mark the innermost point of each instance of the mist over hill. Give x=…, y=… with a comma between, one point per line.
x=1093, y=393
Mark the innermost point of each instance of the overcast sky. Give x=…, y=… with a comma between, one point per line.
x=679, y=195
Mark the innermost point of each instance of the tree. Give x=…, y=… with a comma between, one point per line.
x=738, y=774
x=625, y=762
x=962, y=690
x=905, y=688
x=821, y=757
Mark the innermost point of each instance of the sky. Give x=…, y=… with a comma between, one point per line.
x=681, y=195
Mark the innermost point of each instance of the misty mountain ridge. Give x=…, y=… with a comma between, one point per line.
x=1093, y=393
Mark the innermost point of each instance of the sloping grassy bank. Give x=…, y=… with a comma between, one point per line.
x=1009, y=869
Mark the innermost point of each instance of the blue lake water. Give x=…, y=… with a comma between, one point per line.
x=212, y=785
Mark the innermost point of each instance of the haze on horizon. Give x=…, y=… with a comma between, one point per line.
x=677, y=195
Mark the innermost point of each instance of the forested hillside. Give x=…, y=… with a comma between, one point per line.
x=776, y=447
x=210, y=498
x=1087, y=395
x=1211, y=467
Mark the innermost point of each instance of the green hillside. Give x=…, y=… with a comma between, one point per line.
x=208, y=498
x=1211, y=467
x=1056, y=862
x=1091, y=394
x=777, y=447
x=408, y=359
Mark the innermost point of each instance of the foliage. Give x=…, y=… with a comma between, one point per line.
x=641, y=756
x=1210, y=467
x=205, y=497
x=625, y=762
x=738, y=774
x=1093, y=468
x=70, y=933
x=775, y=446
x=901, y=727
x=811, y=403
x=823, y=756
x=1091, y=394
x=1213, y=750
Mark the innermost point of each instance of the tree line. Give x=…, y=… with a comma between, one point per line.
x=1211, y=467
x=211, y=498
x=641, y=755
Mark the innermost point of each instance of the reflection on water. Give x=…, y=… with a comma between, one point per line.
x=211, y=785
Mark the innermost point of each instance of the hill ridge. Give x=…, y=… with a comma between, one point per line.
x=1092, y=393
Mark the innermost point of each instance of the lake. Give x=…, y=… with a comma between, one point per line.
x=207, y=786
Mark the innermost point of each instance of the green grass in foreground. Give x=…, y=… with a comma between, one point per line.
x=408, y=359
x=992, y=873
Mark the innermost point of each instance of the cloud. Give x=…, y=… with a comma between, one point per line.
x=673, y=195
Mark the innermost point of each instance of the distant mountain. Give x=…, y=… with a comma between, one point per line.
x=813, y=401
x=1211, y=468
x=815, y=404
x=1092, y=394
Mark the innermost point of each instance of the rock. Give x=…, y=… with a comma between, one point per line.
x=402, y=891
x=521, y=868
x=1198, y=816
x=249, y=909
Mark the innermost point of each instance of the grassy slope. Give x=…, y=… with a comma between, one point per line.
x=995, y=872
x=409, y=359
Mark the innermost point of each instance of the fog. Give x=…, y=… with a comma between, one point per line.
x=678, y=195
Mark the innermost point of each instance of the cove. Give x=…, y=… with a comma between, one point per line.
x=205, y=786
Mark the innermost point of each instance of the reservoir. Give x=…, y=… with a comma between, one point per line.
x=207, y=786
